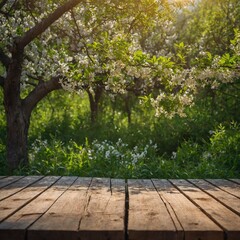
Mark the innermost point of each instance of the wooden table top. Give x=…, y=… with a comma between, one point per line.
x=74, y=208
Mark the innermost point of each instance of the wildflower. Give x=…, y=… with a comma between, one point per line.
x=174, y=155
x=211, y=132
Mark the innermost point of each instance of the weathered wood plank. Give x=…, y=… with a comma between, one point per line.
x=15, y=187
x=228, y=220
x=220, y=195
x=14, y=227
x=61, y=221
x=104, y=213
x=2, y=177
x=230, y=187
x=177, y=224
x=8, y=180
x=192, y=220
x=78, y=208
x=18, y=200
x=236, y=180
x=148, y=216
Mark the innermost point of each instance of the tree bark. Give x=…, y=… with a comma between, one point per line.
x=128, y=109
x=94, y=100
x=17, y=120
x=17, y=135
x=18, y=111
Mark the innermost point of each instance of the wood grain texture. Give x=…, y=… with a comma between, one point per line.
x=72, y=208
x=15, y=226
x=220, y=193
x=227, y=186
x=149, y=218
x=64, y=215
x=17, y=186
x=104, y=213
x=228, y=220
x=18, y=200
x=236, y=180
x=191, y=218
x=8, y=180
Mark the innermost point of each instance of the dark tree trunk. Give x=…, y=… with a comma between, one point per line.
x=128, y=109
x=94, y=110
x=17, y=135
x=94, y=101
x=17, y=120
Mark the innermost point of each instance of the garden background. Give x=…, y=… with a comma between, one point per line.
x=145, y=89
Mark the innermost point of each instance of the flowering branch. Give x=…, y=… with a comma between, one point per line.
x=46, y=22
x=79, y=34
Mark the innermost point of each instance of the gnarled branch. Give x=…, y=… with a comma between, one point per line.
x=39, y=92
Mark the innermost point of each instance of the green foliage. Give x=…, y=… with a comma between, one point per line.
x=224, y=146
x=192, y=147
x=219, y=157
x=204, y=143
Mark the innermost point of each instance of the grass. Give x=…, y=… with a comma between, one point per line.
x=62, y=141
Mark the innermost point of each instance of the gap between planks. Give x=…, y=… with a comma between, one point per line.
x=159, y=191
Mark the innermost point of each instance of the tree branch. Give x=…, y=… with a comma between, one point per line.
x=39, y=92
x=79, y=34
x=46, y=22
x=38, y=79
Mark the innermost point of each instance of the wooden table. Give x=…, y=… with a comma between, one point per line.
x=37, y=207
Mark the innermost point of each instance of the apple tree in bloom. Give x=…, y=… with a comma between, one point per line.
x=95, y=46
x=22, y=26
x=212, y=52
x=114, y=55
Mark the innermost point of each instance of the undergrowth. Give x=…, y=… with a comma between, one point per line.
x=62, y=141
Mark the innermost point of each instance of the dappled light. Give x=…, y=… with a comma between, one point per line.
x=120, y=89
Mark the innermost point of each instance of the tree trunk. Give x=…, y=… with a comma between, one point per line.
x=94, y=100
x=18, y=111
x=128, y=109
x=17, y=122
x=93, y=108
x=17, y=135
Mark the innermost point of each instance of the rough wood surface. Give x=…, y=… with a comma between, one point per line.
x=192, y=219
x=148, y=216
x=15, y=226
x=18, y=200
x=227, y=186
x=220, y=191
x=64, y=216
x=73, y=208
x=104, y=213
x=17, y=186
x=236, y=180
x=8, y=180
x=228, y=220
